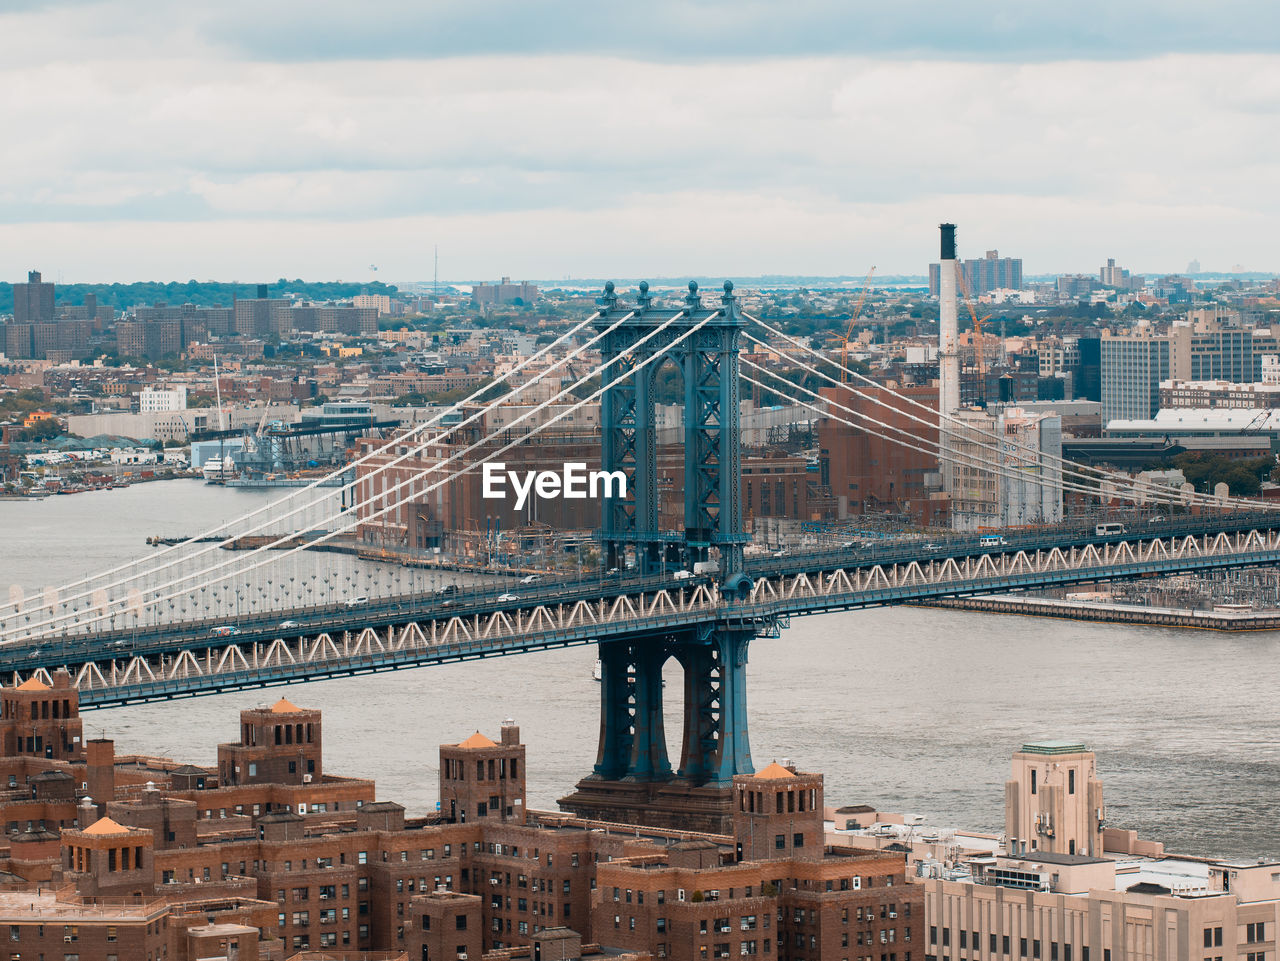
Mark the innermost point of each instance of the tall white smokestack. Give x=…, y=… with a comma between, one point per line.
x=948, y=334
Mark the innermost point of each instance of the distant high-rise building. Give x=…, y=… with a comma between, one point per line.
x=379, y=302
x=1020, y=482
x=1132, y=366
x=1118, y=277
x=1193, y=267
x=1088, y=384
x=504, y=293
x=1073, y=286
x=33, y=301
x=992, y=272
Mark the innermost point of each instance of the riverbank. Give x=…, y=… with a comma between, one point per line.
x=1227, y=621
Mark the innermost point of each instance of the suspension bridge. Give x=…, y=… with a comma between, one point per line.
x=144, y=631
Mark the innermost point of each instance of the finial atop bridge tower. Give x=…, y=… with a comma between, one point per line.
x=692, y=300
x=609, y=299
x=644, y=299
x=728, y=297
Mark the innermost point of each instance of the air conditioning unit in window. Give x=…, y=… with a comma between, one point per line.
x=306, y=778
x=493, y=881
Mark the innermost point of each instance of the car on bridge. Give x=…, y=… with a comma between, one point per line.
x=531, y=579
x=508, y=597
x=357, y=601
x=224, y=630
x=288, y=625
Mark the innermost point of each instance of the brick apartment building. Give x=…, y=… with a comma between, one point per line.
x=267, y=856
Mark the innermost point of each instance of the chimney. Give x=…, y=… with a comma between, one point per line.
x=510, y=733
x=100, y=761
x=88, y=813
x=262, y=291
x=948, y=354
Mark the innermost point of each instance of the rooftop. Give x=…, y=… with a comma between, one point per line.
x=103, y=827
x=1048, y=857
x=477, y=740
x=43, y=907
x=1055, y=747
x=773, y=772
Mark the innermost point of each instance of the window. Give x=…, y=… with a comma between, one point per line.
x=780, y=841
x=1035, y=948
x=1254, y=933
x=933, y=929
x=1071, y=781
x=1022, y=947
x=993, y=944
x=797, y=840
x=460, y=922
x=1033, y=781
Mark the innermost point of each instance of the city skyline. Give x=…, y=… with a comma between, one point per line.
x=306, y=141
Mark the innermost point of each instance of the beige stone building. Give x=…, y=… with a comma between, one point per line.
x=1053, y=802
x=1066, y=888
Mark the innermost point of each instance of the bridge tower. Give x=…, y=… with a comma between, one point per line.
x=708, y=361
x=633, y=779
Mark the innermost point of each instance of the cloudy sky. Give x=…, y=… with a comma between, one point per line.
x=248, y=139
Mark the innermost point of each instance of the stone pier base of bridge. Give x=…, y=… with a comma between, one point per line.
x=671, y=804
x=634, y=781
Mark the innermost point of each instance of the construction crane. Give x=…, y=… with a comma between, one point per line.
x=977, y=338
x=844, y=347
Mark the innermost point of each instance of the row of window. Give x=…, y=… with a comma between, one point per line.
x=499, y=769
x=973, y=940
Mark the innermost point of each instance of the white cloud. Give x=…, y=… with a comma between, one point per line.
x=542, y=165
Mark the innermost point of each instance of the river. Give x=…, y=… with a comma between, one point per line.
x=908, y=709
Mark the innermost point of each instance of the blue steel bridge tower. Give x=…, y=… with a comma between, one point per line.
x=633, y=778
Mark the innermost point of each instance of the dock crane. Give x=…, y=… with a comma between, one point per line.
x=844, y=346
x=977, y=338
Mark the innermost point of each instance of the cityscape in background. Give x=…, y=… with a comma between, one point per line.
x=1172, y=382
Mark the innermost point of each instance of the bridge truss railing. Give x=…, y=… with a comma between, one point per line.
x=105, y=680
